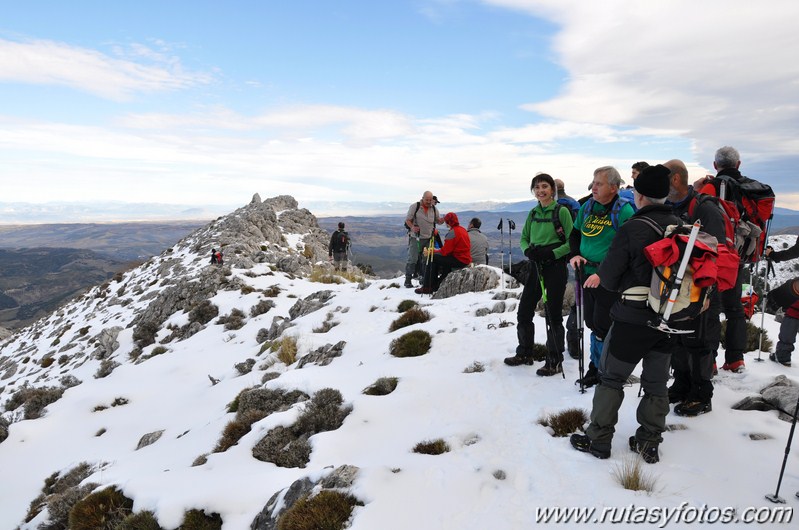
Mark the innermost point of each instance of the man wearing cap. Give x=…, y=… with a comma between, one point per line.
x=596, y=225
x=455, y=254
x=631, y=340
x=421, y=222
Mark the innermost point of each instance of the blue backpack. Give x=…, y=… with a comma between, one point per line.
x=618, y=204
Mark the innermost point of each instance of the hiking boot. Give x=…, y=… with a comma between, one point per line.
x=583, y=443
x=715, y=370
x=735, y=367
x=408, y=284
x=574, y=350
x=550, y=369
x=675, y=398
x=773, y=357
x=590, y=378
x=693, y=408
x=423, y=290
x=647, y=450
x=518, y=360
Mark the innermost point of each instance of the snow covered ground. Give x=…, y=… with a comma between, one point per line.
x=503, y=467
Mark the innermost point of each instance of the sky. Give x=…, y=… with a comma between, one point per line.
x=205, y=103
x=502, y=467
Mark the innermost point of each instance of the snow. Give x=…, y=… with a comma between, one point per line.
x=489, y=419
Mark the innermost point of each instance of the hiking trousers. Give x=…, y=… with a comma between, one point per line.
x=735, y=335
x=597, y=302
x=625, y=346
x=787, y=337
x=415, y=264
x=693, y=356
x=555, y=276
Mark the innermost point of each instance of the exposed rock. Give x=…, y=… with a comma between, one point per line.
x=107, y=342
x=149, y=439
x=322, y=356
x=3, y=429
x=5, y=333
x=499, y=307
x=279, y=325
x=467, y=280
x=310, y=303
x=342, y=477
x=782, y=394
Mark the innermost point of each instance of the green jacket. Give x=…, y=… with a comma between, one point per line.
x=542, y=233
x=596, y=230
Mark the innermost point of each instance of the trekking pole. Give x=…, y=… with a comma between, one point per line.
x=511, y=228
x=501, y=254
x=775, y=498
x=664, y=319
x=547, y=320
x=765, y=292
x=578, y=302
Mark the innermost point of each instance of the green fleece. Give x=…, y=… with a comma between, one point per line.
x=542, y=234
x=596, y=231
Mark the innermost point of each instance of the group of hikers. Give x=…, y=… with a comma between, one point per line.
x=661, y=235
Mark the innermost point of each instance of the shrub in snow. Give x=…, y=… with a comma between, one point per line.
x=3, y=429
x=204, y=312
x=236, y=429
x=410, y=317
x=59, y=494
x=411, y=344
x=382, y=387
x=34, y=400
x=632, y=476
x=245, y=367
x=233, y=321
x=565, y=422
x=144, y=520
x=199, y=520
x=752, y=337
x=144, y=333
x=289, y=446
x=431, y=447
x=106, y=367
x=288, y=350
x=106, y=508
x=329, y=510
x=68, y=381
x=475, y=367
x=261, y=307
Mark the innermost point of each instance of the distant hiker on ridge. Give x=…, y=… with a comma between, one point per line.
x=478, y=241
x=338, y=248
x=421, y=222
x=213, y=256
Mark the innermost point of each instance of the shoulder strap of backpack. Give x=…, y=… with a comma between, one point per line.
x=616, y=210
x=652, y=224
x=561, y=233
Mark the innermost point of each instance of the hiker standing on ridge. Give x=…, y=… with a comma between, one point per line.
x=545, y=242
x=478, y=242
x=631, y=339
x=338, y=247
x=213, y=256
x=455, y=254
x=727, y=161
x=596, y=225
x=695, y=354
x=421, y=222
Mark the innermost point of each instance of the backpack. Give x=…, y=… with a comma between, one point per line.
x=728, y=254
x=341, y=242
x=416, y=211
x=557, y=225
x=755, y=203
x=614, y=210
x=665, y=256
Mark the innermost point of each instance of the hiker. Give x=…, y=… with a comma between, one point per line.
x=545, y=242
x=219, y=259
x=790, y=322
x=421, y=222
x=726, y=162
x=631, y=339
x=338, y=248
x=455, y=254
x=694, y=354
x=213, y=256
x=596, y=225
x=478, y=242
x=627, y=192
x=565, y=199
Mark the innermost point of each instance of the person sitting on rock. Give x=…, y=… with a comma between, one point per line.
x=455, y=254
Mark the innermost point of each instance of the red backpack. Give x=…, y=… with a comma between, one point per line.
x=728, y=257
x=754, y=202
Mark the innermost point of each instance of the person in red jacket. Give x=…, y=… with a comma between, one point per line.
x=455, y=254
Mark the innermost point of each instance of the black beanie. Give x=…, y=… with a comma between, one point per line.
x=654, y=182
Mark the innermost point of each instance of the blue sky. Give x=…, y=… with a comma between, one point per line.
x=206, y=103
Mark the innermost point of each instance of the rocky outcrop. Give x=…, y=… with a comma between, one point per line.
x=467, y=280
x=782, y=395
x=149, y=439
x=322, y=356
x=107, y=342
x=310, y=303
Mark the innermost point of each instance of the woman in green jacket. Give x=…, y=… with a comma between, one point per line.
x=545, y=242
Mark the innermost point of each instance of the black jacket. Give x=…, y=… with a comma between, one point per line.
x=626, y=266
x=787, y=254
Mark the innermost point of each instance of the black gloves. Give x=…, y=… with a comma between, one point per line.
x=539, y=254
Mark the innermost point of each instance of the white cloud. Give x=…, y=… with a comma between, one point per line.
x=54, y=63
x=722, y=71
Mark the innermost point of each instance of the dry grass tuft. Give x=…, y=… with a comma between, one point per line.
x=432, y=447
x=565, y=422
x=287, y=351
x=632, y=476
